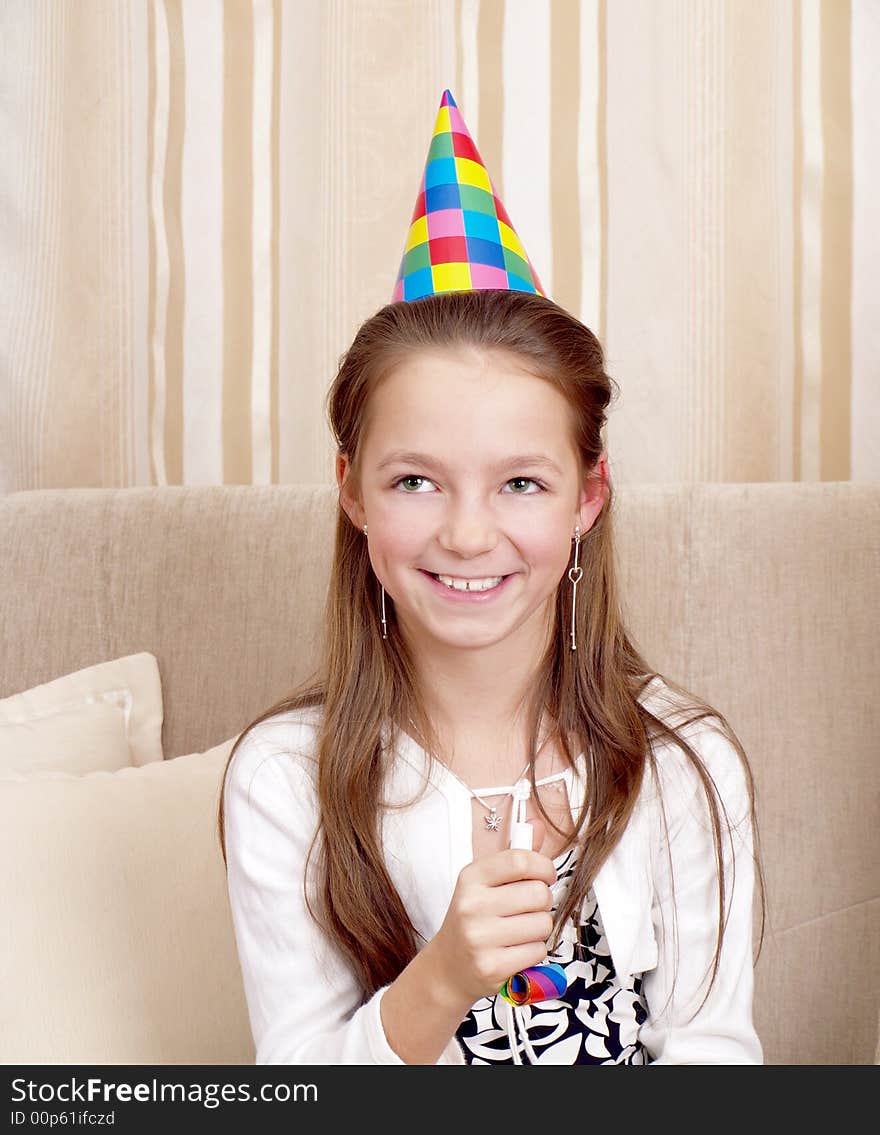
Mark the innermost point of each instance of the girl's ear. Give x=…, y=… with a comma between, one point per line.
x=594, y=494
x=352, y=505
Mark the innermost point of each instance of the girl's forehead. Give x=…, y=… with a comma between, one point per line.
x=465, y=361
x=468, y=380
x=468, y=402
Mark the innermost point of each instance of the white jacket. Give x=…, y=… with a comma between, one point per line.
x=304, y=1003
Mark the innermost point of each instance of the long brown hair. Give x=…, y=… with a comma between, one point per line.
x=362, y=681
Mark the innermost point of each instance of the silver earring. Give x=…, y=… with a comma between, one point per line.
x=382, y=589
x=574, y=574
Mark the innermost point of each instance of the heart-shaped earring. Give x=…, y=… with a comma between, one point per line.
x=574, y=574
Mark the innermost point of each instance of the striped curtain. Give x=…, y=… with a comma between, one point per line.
x=200, y=202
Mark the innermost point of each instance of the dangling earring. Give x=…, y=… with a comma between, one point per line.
x=574, y=574
x=382, y=589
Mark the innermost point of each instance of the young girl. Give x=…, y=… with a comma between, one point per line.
x=475, y=664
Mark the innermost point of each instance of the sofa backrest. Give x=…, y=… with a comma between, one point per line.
x=761, y=598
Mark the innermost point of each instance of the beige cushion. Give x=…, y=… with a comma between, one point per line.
x=116, y=939
x=104, y=717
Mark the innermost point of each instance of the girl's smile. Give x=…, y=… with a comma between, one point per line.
x=482, y=590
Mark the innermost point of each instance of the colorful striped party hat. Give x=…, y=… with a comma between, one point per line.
x=460, y=237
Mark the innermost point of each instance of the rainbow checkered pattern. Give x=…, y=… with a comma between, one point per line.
x=460, y=237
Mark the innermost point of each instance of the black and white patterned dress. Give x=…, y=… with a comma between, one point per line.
x=597, y=1020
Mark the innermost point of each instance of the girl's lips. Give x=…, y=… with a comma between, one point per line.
x=467, y=596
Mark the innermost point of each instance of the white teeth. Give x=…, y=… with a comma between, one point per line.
x=470, y=584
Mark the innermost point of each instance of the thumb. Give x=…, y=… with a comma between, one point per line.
x=539, y=830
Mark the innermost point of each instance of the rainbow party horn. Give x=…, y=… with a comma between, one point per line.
x=538, y=983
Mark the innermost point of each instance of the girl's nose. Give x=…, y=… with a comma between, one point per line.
x=469, y=532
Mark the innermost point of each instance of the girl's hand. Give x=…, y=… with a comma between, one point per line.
x=498, y=923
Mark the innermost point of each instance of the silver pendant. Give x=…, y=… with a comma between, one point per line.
x=493, y=821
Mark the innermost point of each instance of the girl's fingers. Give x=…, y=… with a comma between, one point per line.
x=522, y=930
x=516, y=958
x=512, y=865
x=524, y=897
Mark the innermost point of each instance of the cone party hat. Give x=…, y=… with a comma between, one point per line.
x=460, y=236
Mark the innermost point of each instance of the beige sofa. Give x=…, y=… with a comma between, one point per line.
x=116, y=932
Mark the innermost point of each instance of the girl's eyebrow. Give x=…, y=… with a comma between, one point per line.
x=408, y=458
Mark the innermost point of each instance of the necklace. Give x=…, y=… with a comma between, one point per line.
x=493, y=821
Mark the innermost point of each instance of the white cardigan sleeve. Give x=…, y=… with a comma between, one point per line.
x=305, y=1004
x=722, y=1031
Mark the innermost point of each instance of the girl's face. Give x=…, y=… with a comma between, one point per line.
x=469, y=471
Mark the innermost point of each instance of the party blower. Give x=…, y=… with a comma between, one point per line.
x=537, y=983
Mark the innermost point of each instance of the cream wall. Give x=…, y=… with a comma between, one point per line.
x=199, y=202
